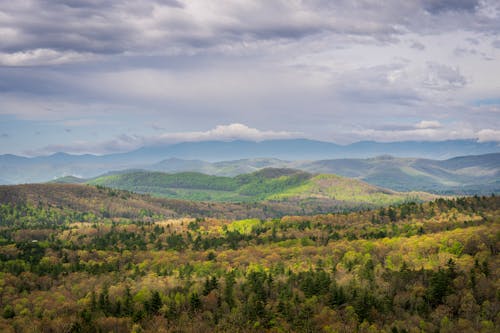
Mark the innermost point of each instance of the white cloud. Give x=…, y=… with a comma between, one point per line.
x=428, y=124
x=127, y=142
x=425, y=134
x=486, y=135
x=429, y=130
x=225, y=133
x=426, y=130
x=37, y=57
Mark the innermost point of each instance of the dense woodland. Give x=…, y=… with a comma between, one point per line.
x=105, y=202
x=415, y=267
x=313, y=192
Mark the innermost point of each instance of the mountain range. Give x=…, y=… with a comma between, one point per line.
x=475, y=174
x=433, y=166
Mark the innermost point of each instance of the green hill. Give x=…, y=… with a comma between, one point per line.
x=91, y=203
x=468, y=174
x=197, y=186
x=68, y=180
x=333, y=187
x=266, y=185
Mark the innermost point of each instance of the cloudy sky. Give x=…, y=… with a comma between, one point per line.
x=103, y=76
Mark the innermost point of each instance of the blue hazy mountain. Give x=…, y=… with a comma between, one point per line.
x=461, y=175
x=18, y=169
x=304, y=149
x=211, y=151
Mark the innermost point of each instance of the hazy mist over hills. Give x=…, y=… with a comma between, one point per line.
x=202, y=155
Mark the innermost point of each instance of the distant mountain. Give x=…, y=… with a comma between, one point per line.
x=304, y=149
x=476, y=174
x=461, y=175
x=206, y=157
x=68, y=180
x=421, y=149
x=174, y=164
x=224, y=168
x=271, y=185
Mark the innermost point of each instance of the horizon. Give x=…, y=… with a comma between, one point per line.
x=156, y=145
x=109, y=77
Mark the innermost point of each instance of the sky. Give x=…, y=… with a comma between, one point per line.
x=105, y=76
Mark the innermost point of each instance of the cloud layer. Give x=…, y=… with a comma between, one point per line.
x=48, y=32
x=331, y=70
x=129, y=142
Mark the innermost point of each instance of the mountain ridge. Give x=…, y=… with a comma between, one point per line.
x=18, y=169
x=276, y=185
x=474, y=174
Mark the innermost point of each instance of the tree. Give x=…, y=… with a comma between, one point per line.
x=155, y=302
x=8, y=312
x=194, y=302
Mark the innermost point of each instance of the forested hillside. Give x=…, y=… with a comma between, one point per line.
x=107, y=203
x=198, y=186
x=409, y=268
x=474, y=174
x=269, y=185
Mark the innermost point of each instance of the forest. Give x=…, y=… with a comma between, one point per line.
x=413, y=267
x=315, y=193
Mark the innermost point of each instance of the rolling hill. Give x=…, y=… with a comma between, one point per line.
x=201, y=157
x=270, y=185
x=475, y=174
x=96, y=203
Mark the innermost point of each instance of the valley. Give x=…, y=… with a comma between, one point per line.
x=84, y=258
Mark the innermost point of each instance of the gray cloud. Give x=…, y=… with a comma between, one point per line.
x=443, y=77
x=64, y=31
x=429, y=130
x=417, y=45
x=461, y=51
x=386, y=84
x=324, y=68
x=438, y=6
x=473, y=41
